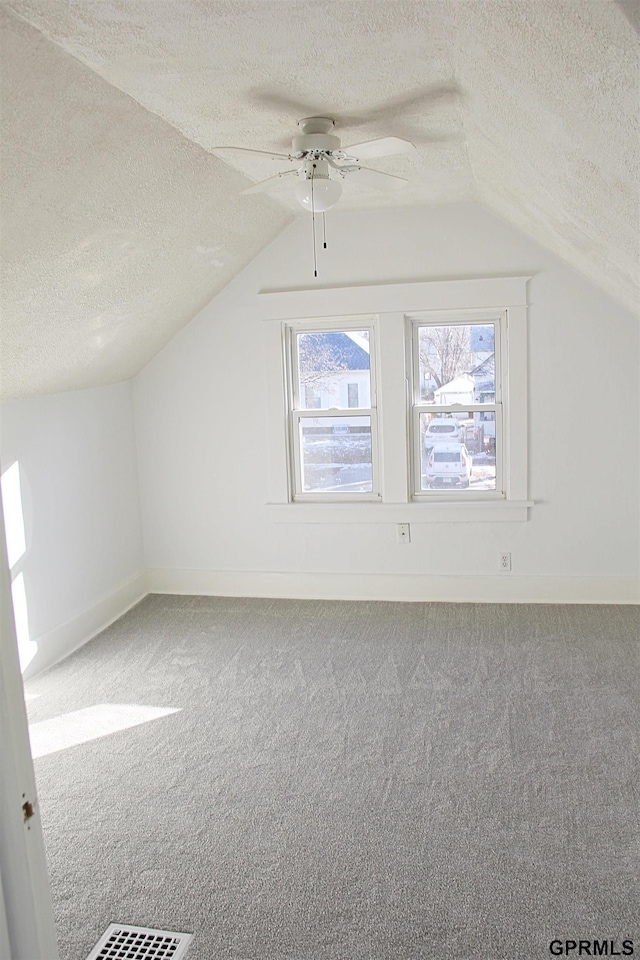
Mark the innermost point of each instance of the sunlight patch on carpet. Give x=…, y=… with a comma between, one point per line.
x=80, y=726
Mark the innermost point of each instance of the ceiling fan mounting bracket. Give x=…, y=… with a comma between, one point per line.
x=316, y=125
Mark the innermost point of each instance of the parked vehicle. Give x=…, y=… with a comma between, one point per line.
x=443, y=430
x=449, y=464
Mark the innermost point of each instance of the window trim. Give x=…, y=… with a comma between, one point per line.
x=296, y=413
x=390, y=303
x=413, y=322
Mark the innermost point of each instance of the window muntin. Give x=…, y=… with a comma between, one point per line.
x=457, y=406
x=332, y=414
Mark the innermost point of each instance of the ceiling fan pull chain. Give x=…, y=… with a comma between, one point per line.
x=313, y=226
x=324, y=230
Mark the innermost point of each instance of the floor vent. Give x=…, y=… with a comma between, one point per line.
x=122, y=942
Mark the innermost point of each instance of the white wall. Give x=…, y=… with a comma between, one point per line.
x=206, y=471
x=84, y=561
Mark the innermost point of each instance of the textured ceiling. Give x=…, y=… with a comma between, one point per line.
x=120, y=222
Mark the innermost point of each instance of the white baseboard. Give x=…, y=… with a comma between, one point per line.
x=69, y=636
x=64, y=639
x=505, y=588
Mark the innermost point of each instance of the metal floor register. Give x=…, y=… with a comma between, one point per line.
x=123, y=942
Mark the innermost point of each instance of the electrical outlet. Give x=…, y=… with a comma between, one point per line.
x=505, y=561
x=404, y=533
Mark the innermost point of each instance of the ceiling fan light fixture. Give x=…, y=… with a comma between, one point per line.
x=318, y=194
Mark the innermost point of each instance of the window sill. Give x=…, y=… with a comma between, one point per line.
x=477, y=511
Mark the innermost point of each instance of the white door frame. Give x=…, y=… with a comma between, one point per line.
x=27, y=930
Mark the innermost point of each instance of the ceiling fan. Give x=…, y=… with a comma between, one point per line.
x=321, y=164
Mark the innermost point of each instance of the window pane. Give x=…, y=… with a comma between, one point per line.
x=311, y=397
x=336, y=454
x=457, y=363
x=458, y=451
x=334, y=369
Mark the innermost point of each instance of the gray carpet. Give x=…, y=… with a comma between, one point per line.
x=350, y=780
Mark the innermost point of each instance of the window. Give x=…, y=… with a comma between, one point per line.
x=313, y=400
x=332, y=411
x=438, y=432
x=456, y=433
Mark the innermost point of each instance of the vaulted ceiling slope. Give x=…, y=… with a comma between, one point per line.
x=120, y=221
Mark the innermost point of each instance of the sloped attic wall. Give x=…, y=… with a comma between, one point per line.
x=116, y=229
x=120, y=222
x=206, y=470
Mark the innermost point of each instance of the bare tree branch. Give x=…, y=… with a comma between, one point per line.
x=444, y=352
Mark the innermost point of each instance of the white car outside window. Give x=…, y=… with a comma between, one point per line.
x=449, y=464
x=443, y=430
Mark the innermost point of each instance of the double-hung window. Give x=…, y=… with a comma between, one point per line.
x=332, y=416
x=457, y=405
x=453, y=380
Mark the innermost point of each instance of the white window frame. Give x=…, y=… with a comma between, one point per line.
x=414, y=322
x=296, y=412
x=389, y=304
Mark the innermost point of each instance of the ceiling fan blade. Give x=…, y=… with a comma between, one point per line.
x=272, y=97
x=383, y=147
x=388, y=112
x=374, y=178
x=444, y=136
x=259, y=153
x=423, y=97
x=268, y=183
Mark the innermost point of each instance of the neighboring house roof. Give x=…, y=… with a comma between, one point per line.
x=331, y=352
x=460, y=384
x=487, y=366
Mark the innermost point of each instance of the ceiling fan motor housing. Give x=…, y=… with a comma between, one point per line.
x=322, y=142
x=315, y=136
